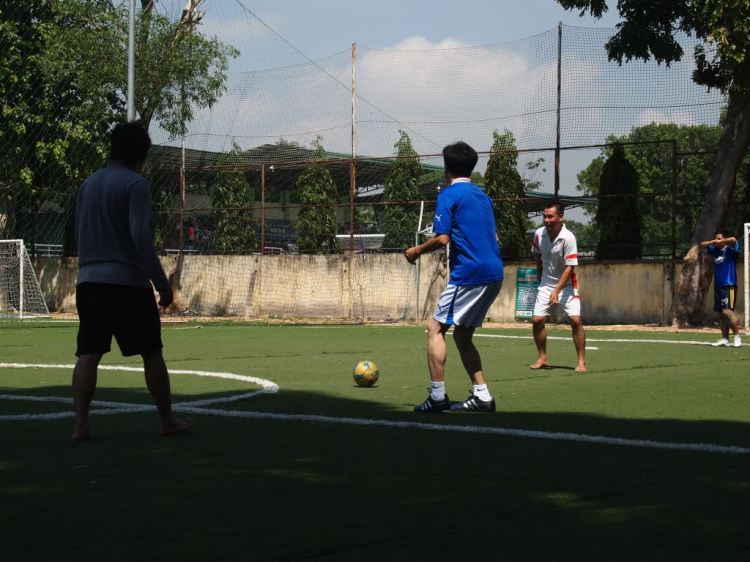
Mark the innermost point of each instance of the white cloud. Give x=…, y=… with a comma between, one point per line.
x=417, y=43
x=660, y=117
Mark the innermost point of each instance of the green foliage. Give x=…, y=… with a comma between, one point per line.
x=63, y=80
x=234, y=227
x=587, y=235
x=654, y=164
x=316, y=222
x=617, y=215
x=503, y=181
x=401, y=187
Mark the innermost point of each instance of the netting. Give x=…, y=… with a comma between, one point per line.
x=20, y=295
x=260, y=209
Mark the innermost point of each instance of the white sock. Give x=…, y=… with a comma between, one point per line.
x=437, y=390
x=482, y=392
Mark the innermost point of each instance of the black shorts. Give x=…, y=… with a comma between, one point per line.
x=725, y=297
x=128, y=313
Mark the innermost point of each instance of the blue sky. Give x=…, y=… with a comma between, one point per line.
x=413, y=56
x=320, y=28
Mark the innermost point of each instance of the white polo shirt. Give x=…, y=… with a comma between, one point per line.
x=556, y=255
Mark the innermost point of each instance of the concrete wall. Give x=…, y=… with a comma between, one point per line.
x=376, y=286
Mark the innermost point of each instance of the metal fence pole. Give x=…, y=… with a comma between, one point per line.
x=182, y=201
x=559, y=95
x=674, y=198
x=263, y=209
x=353, y=165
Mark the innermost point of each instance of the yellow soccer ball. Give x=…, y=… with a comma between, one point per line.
x=366, y=373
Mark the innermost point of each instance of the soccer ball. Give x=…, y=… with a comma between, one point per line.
x=366, y=373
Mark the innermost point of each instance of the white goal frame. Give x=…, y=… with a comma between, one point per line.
x=27, y=282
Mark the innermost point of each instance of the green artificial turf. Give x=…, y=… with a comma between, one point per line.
x=238, y=488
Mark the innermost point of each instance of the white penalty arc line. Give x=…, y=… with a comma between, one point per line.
x=198, y=407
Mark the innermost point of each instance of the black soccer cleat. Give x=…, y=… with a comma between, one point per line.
x=474, y=404
x=431, y=406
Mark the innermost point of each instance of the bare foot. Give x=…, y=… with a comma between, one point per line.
x=81, y=435
x=176, y=425
x=581, y=367
x=540, y=364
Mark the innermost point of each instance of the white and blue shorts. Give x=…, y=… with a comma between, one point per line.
x=466, y=305
x=568, y=299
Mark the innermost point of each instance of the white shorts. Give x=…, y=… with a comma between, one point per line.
x=568, y=298
x=466, y=305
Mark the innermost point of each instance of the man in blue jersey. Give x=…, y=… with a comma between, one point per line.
x=725, y=249
x=463, y=217
x=117, y=264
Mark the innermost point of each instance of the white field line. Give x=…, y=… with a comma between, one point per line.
x=198, y=407
x=686, y=342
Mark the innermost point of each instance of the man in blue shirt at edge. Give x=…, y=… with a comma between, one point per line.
x=725, y=249
x=463, y=217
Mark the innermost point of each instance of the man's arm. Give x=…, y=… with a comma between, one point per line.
x=143, y=240
x=708, y=243
x=554, y=298
x=434, y=243
x=539, y=266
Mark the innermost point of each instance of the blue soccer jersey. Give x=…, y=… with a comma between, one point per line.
x=464, y=212
x=725, y=264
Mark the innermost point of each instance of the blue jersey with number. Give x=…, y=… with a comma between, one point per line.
x=725, y=264
x=464, y=212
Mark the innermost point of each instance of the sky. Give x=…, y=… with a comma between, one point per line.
x=412, y=58
x=320, y=28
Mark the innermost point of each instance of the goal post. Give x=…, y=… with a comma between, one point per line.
x=20, y=294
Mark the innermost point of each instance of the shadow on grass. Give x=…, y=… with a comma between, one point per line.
x=265, y=489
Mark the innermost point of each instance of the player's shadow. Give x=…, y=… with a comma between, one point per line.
x=300, y=478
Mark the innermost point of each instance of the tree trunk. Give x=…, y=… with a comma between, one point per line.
x=688, y=303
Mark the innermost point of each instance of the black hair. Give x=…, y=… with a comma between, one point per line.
x=129, y=143
x=723, y=231
x=557, y=206
x=460, y=159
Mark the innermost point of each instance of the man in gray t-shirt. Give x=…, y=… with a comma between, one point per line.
x=117, y=264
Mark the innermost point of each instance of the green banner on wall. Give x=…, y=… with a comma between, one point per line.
x=527, y=282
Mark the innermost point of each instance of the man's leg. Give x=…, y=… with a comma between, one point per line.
x=437, y=401
x=579, y=339
x=84, y=384
x=540, y=339
x=480, y=400
x=724, y=324
x=470, y=357
x=157, y=380
x=436, y=349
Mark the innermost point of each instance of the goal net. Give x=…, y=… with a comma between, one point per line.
x=20, y=294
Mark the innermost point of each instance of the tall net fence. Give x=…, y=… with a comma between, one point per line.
x=261, y=210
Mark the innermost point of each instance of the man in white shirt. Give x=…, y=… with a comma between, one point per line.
x=556, y=253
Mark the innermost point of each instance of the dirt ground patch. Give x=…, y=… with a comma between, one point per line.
x=176, y=319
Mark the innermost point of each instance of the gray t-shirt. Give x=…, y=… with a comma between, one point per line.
x=114, y=228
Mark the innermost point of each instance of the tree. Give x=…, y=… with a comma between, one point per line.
x=587, y=235
x=234, y=226
x=503, y=181
x=63, y=82
x=722, y=62
x=654, y=161
x=401, y=189
x=316, y=222
x=617, y=216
